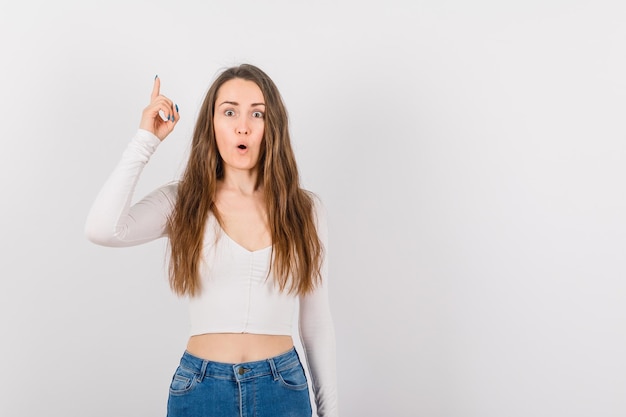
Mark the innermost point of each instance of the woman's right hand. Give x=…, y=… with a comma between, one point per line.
x=151, y=119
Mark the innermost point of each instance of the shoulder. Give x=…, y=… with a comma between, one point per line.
x=169, y=192
x=171, y=188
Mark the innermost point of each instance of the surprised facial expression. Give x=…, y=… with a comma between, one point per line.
x=239, y=124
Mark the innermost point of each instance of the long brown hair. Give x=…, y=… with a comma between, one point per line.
x=297, y=250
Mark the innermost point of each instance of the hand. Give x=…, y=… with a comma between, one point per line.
x=151, y=119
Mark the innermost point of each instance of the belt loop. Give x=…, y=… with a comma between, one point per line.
x=273, y=367
x=203, y=370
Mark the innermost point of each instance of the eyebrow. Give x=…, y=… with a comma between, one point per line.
x=234, y=103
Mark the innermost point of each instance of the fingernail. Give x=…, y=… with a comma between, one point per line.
x=172, y=118
x=156, y=76
x=176, y=105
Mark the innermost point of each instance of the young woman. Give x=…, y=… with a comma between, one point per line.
x=247, y=245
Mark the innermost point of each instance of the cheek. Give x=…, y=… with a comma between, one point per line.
x=220, y=142
x=222, y=133
x=258, y=135
x=219, y=128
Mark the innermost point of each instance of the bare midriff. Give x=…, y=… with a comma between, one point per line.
x=238, y=347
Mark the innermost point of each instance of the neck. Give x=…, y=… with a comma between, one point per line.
x=243, y=181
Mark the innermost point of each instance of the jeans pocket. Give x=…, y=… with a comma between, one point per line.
x=183, y=381
x=293, y=378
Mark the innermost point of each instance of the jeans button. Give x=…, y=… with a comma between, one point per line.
x=241, y=371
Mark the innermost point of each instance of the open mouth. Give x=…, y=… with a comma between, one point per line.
x=242, y=147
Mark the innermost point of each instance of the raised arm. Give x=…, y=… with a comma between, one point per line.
x=112, y=221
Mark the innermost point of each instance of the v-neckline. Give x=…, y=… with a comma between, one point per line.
x=237, y=244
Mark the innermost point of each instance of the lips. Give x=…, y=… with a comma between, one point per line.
x=242, y=149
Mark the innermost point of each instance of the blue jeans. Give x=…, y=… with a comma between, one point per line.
x=274, y=387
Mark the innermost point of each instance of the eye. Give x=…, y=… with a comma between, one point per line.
x=229, y=113
x=258, y=114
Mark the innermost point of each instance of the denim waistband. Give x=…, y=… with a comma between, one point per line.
x=240, y=371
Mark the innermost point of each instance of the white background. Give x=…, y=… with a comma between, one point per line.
x=471, y=156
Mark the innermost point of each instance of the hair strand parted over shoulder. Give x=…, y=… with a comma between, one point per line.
x=296, y=247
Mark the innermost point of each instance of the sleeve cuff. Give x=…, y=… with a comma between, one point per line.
x=147, y=138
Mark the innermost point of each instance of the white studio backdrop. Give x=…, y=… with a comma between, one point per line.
x=471, y=155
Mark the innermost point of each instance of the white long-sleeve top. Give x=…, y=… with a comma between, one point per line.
x=235, y=295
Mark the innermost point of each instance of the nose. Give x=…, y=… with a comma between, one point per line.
x=242, y=129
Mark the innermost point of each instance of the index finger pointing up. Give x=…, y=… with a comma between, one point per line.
x=156, y=88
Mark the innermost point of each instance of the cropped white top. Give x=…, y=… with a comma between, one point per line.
x=237, y=295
